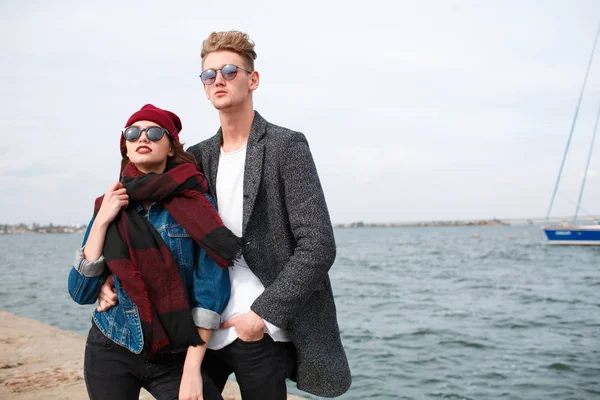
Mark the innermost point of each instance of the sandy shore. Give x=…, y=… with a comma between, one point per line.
x=38, y=361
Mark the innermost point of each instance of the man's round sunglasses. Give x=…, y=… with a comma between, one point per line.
x=153, y=133
x=228, y=72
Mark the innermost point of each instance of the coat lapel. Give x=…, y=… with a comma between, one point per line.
x=254, y=166
x=213, y=153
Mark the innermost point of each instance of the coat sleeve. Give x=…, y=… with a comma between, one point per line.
x=306, y=270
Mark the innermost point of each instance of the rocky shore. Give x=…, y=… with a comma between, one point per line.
x=38, y=361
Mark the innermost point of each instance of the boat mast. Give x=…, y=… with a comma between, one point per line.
x=562, y=164
x=587, y=165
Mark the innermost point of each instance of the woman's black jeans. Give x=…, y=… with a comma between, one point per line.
x=114, y=373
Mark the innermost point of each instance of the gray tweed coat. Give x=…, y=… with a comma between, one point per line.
x=290, y=247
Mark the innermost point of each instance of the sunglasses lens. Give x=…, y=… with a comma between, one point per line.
x=208, y=76
x=229, y=72
x=155, y=133
x=132, y=133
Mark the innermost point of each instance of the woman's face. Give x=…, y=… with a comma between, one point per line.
x=149, y=156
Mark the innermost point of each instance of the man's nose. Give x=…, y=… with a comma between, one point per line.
x=219, y=80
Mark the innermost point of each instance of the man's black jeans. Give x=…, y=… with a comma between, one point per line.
x=260, y=369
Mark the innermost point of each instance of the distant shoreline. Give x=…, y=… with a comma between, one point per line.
x=353, y=225
x=7, y=229
x=360, y=224
x=474, y=222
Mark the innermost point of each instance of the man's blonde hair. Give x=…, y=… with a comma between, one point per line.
x=236, y=41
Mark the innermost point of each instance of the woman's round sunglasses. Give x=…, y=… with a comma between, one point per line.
x=153, y=133
x=228, y=72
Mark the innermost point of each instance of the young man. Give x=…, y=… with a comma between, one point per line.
x=281, y=319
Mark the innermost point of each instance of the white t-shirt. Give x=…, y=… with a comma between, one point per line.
x=245, y=286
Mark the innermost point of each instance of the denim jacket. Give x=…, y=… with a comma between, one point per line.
x=207, y=285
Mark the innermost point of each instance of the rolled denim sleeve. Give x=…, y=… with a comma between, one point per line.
x=211, y=292
x=87, y=268
x=86, y=277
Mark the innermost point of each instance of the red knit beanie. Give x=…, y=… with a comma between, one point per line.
x=166, y=119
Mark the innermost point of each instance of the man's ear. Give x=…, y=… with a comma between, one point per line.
x=254, y=80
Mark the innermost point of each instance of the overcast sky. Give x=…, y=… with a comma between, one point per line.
x=414, y=110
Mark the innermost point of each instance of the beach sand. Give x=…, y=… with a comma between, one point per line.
x=38, y=361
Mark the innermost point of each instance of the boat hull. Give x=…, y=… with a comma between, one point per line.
x=574, y=235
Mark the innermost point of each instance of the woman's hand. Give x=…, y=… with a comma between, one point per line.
x=191, y=385
x=107, y=297
x=114, y=199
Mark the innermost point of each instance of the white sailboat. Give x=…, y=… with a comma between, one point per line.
x=575, y=233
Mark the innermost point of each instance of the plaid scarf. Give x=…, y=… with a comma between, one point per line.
x=137, y=255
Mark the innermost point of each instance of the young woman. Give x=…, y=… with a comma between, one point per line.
x=158, y=234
